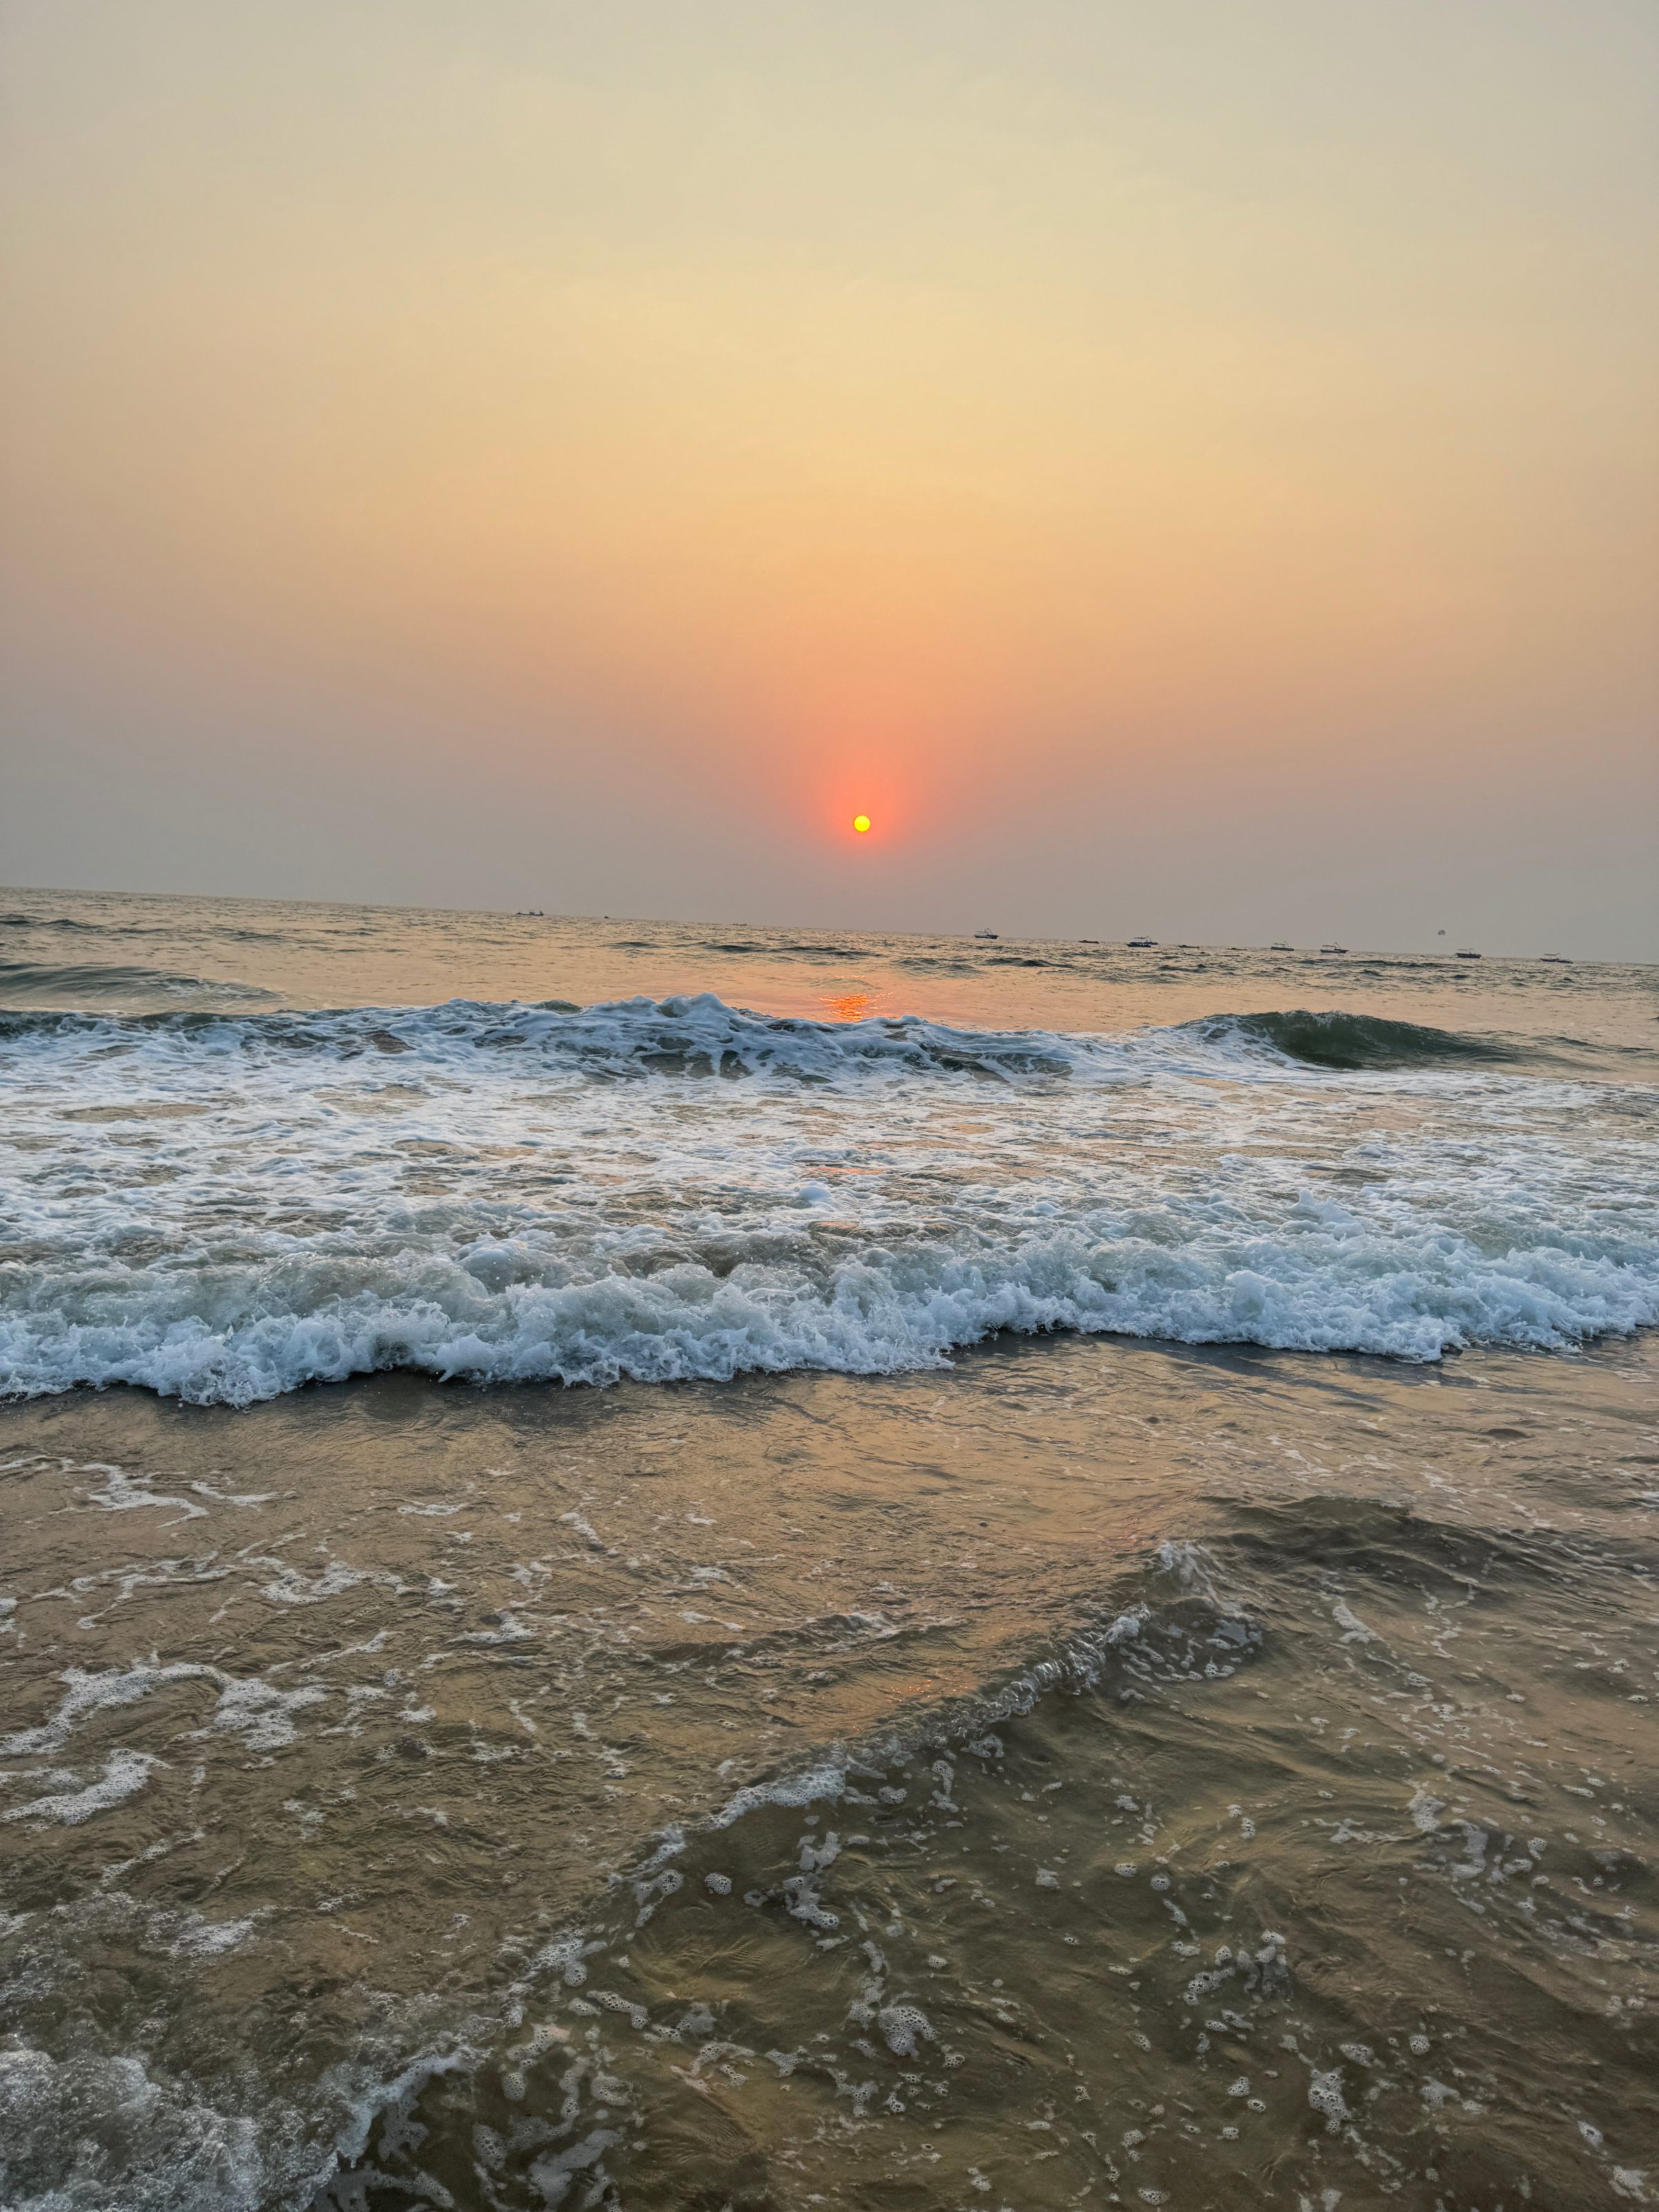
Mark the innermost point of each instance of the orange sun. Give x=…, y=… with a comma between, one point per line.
x=860, y=822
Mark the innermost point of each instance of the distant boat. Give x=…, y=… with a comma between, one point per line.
x=1554, y=960
x=1333, y=948
x=1088, y=941
x=1281, y=948
x=988, y=935
x=1141, y=943
x=1466, y=955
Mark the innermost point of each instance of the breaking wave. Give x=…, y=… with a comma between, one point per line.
x=225, y=1206
x=702, y=1035
x=239, y=1324
x=630, y=1038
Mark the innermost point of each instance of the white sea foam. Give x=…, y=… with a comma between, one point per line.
x=812, y=1787
x=193, y=1936
x=89, y=1693
x=262, y=1714
x=245, y=1705
x=124, y=1773
x=679, y=1190
x=147, y=2144
x=121, y=1493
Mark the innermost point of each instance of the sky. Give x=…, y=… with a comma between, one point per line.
x=1179, y=467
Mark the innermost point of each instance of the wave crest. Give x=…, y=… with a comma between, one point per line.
x=1349, y=1041
x=249, y=1320
x=699, y=1036
x=702, y=1036
x=79, y=983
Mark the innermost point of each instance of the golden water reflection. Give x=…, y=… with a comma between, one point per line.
x=851, y=1006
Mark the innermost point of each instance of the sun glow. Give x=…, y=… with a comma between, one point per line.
x=860, y=822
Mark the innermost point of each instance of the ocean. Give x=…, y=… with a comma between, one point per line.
x=645, y=1564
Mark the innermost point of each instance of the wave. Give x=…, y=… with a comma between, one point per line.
x=109, y=930
x=702, y=1035
x=81, y=981
x=781, y=949
x=1351, y=1041
x=287, y=1198
x=630, y=1038
x=250, y=1316
x=47, y=922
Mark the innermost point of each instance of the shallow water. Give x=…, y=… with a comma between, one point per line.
x=1137, y=1710
x=1075, y=1771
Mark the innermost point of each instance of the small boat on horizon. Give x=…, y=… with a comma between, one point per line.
x=1141, y=943
x=1281, y=948
x=1333, y=948
x=1553, y=960
x=989, y=935
x=1466, y=955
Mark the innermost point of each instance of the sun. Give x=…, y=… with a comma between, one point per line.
x=860, y=822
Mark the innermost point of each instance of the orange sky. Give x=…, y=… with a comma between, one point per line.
x=1188, y=467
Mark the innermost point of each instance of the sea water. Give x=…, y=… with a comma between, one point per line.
x=1094, y=1643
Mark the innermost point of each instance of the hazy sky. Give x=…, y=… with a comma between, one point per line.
x=1176, y=464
